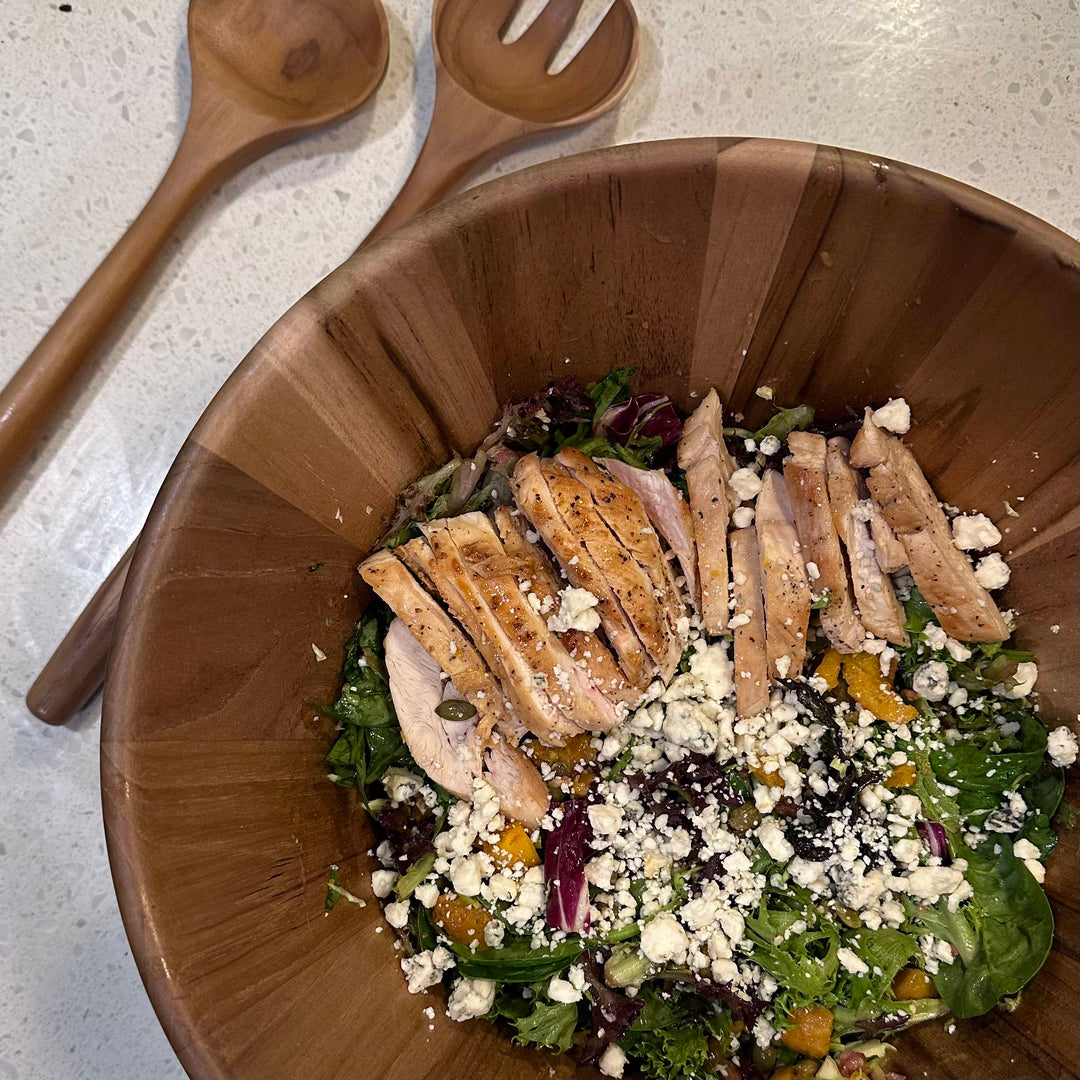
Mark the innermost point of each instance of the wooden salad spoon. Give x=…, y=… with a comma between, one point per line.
x=263, y=72
x=488, y=98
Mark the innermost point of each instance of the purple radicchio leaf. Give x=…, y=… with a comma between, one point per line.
x=647, y=415
x=612, y=1014
x=564, y=869
x=933, y=835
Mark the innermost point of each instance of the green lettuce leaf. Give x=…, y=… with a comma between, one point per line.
x=550, y=1026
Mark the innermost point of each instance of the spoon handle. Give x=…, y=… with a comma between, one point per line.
x=464, y=135
x=37, y=389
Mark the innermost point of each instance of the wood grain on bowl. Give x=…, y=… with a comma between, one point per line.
x=831, y=276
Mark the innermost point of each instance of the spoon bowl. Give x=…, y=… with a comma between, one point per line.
x=300, y=62
x=262, y=73
x=513, y=78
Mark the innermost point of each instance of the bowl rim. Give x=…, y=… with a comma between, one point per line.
x=181, y=1026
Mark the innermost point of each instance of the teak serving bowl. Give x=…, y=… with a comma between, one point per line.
x=834, y=277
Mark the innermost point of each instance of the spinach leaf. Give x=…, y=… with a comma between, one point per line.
x=1043, y=794
x=550, y=1026
x=671, y=1053
x=517, y=962
x=1003, y=934
x=976, y=765
x=919, y=613
x=785, y=422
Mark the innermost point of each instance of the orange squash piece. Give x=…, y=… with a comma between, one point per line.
x=829, y=668
x=810, y=1033
x=902, y=776
x=461, y=919
x=513, y=847
x=911, y=984
x=865, y=683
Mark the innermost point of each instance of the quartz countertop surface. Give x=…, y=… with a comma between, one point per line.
x=93, y=96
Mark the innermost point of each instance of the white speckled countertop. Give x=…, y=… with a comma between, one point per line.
x=92, y=101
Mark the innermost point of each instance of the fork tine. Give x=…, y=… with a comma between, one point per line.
x=548, y=31
x=603, y=58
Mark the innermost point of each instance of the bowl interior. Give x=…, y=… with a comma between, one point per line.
x=831, y=276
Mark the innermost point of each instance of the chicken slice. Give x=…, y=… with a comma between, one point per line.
x=751, y=658
x=628, y=582
x=587, y=650
x=527, y=698
x=879, y=610
x=888, y=551
x=784, y=580
x=708, y=466
x=623, y=513
x=448, y=751
x=523, y=795
x=535, y=500
x=943, y=573
x=438, y=635
x=667, y=511
x=568, y=685
x=807, y=486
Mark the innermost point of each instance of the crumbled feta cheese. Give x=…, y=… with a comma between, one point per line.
x=605, y=820
x=929, y=883
x=764, y=392
x=469, y=998
x=931, y=680
x=1036, y=869
x=426, y=968
x=613, y=1061
x=560, y=990
x=1025, y=849
x=577, y=611
x=1061, y=746
x=974, y=532
x=894, y=415
x=427, y=894
x=770, y=445
x=465, y=875
x=992, y=572
x=397, y=914
x=1025, y=677
x=663, y=940
x=383, y=882
x=774, y=841
x=742, y=517
x=745, y=483
x=850, y=961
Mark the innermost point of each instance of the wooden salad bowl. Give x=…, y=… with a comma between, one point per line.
x=834, y=277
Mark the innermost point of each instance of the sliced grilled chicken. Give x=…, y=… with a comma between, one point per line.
x=622, y=512
x=784, y=580
x=807, y=486
x=751, y=658
x=888, y=551
x=944, y=575
x=587, y=650
x=439, y=636
x=523, y=795
x=667, y=511
x=568, y=685
x=628, y=582
x=879, y=610
x=448, y=751
x=536, y=501
x=526, y=697
x=708, y=467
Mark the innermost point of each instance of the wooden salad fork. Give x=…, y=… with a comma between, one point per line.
x=489, y=98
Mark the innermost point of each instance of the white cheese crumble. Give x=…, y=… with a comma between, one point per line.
x=613, y=1061
x=742, y=517
x=992, y=572
x=770, y=445
x=469, y=998
x=577, y=611
x=974, y=532
x=745, y=483
x=894, y=415
x=931, y=680
x=1061, y=746
x=664, y=941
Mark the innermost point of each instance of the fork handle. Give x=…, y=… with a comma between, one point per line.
x=465, y=134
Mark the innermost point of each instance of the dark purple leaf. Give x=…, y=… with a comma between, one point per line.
x=612, y=1013
x=408, y=836
x=645, y=415
x=663, y=423
x=564, y=868
x=934, y=837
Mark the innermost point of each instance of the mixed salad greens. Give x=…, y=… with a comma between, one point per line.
x=678, y=910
